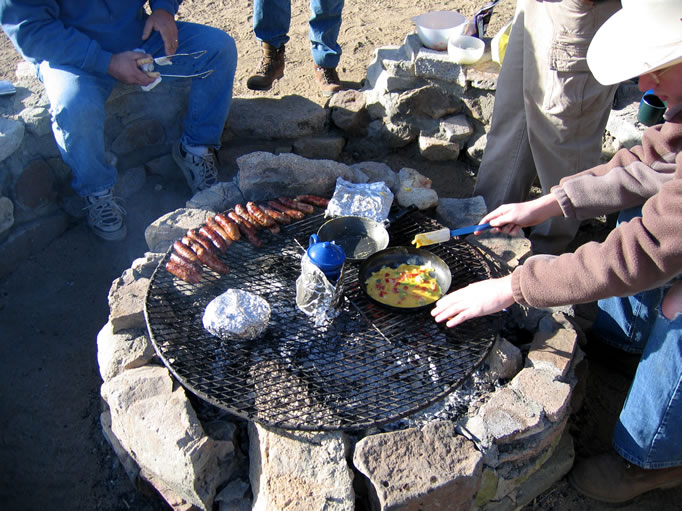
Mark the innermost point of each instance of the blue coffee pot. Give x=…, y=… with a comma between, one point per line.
x=327, y=256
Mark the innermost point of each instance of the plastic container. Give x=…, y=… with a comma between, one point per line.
x=327, y=256
x=465, y=49
x=436, y=27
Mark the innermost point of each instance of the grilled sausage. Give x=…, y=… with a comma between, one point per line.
x=259, y=215
x=184, y=271
x=294, y=204
x=215, y=238
x=277, y=216
x=200, y=240
x=213, y=224
x=293, y=213
x=210, y=260
x=230, y=227
x=185, y=252
x=244, y=213
x=314, y=200
x=182, y=261
x=246, y=229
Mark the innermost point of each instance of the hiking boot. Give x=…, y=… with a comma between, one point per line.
x=271, y=68
x=200, y=171
x=105, y=216
x=609, y=478
x=328, y=80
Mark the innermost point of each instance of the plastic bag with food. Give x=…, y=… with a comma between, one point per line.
x=371, y=200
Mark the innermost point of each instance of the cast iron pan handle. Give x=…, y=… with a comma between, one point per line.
x=397, y=216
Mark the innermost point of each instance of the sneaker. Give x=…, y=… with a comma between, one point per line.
x=105, y=216
x=328, y=80
x=609, y=478
x=200, y=171
x=271, y=68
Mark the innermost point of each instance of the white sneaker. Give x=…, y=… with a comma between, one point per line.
x=200, y=171
x=105, y=216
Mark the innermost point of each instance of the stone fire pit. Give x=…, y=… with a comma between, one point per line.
x=508, y=447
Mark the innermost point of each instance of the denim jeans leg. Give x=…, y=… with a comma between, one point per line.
x=271, y=20
x=209, y=98
x=77, y=103
x=325, y=24
x=649, y=431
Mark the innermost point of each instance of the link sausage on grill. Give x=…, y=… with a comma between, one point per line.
x=185, y=252
x=246, y=229
x=293, y=213
x=277, y=216
x=244, y=213
x=213, y=224
x=184, y=270
x=259, y=215
x=314, y=200
x=209, y=259
x=215, y=238
x=300, y=206
x=201, y=240
x=229, y=226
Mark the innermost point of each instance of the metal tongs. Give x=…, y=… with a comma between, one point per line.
x=147, y=65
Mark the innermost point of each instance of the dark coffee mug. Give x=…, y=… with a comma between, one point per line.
x=651, y=109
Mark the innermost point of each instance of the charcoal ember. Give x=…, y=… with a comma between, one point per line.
x=237, y=314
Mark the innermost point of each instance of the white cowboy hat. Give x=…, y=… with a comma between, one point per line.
x=643, y=36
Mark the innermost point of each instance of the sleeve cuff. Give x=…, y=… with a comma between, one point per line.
x=516, y=287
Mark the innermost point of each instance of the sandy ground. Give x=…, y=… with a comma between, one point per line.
x=52, y=452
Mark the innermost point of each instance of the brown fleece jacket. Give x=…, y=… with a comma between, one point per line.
x=641, y=254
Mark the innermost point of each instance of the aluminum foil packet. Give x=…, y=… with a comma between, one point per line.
x=371, y=200
x=315, y=295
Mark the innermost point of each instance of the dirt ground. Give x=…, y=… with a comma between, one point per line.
x=52, y=452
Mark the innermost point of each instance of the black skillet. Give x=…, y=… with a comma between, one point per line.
x=394, y=257
x=360, y=237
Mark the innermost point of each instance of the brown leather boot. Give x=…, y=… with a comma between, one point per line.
x=609, y=478
x=328, y=80
x=271, y=68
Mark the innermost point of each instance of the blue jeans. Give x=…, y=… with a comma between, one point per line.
x=271, y=20
x=77, y=102
x=649, y=429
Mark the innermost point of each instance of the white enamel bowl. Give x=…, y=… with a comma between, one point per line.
x=435, y=27
x=465, y=49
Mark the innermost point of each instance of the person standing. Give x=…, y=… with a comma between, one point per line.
x=83, y=49
x=271, y=21
x=635, y=273
x=550, y=112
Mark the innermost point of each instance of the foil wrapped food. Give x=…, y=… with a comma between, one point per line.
x=237, y=314
x=370, y=200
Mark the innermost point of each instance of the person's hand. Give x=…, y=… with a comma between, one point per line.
x=163, y=22
x=123, y=66
x=511, y=218
x=672, y=303
x=477, y=299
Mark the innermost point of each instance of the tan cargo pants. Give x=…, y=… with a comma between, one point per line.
x=550, y=112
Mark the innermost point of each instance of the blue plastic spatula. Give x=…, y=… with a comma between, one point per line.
x=441, y=235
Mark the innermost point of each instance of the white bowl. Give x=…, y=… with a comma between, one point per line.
x=465, y=49
x=435, y=27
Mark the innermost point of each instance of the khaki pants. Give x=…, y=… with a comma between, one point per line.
x=550, y=112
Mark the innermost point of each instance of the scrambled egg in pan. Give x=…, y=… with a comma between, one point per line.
x=408, y=285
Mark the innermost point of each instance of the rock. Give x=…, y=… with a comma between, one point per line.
x=217, y=198
x=11, y=136
x=429, y=101
x=299, y=470
x=505, y=360
x=456, y=128
x=553, y=351
x=289, y=117
x=436, y=149
x=126, y=302
x=137, y=135
x=161, y=233
x=118, y=352
x=423, y=198
x=542, y=388
x=130, y=181
x=265, y=175
x=428, y=468
x=323, y=147
x=349, y=112
x=37, y=120
x=35, y=190
x=378, y=171
x=456, y=213
x=156, y=424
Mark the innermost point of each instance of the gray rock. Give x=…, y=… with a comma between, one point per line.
x=130, y=181
x=162, y=232
x=349, y=112
x=308, y=469
x=436, y=65
x=217, y=198
x=378, y=171
x=542, y=388
x=437, y=149
x=11, y=136
x=37, y=120
x=265, y=175
x=119, y=352
x=505, y=360
x=429, y=468
x=429, y=101
x=126, y=301
x=322, y=147
x=289, y=117
x=456, y=128
x=455, y=213
x=6, y=215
